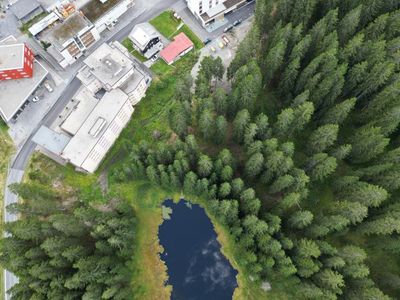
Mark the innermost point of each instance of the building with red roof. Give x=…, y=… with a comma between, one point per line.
x=177, y=48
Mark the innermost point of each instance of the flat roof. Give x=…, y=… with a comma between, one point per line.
x=50, y=140
x=11, y=56
x=130, y=85
x=64, y=31
x=84, y=103
x=94, y=9
x=108, y=64
x=43, y=23
x=14, y=93
x=180, y=43
x=93, y=128
x=22, y=8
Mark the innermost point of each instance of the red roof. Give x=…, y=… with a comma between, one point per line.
x=180, y=44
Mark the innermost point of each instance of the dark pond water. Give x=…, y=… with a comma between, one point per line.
x=196, y=267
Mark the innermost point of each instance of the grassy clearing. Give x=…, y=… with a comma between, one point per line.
x=168, y=26
x=128, y=45
x=6, y=150
x=150, y=118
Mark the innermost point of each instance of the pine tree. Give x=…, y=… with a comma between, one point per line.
x=240, y=123
x=301, y=219
x=323, y=138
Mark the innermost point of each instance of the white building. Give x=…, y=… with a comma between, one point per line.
x=113, y=82
x=104, y=14
x=110, y=67
x=68, y=40
x=146, y=39
x=88, y=132
x=95, y=125
x=208, y=11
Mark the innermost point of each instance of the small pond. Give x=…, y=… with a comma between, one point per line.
x=196, y=267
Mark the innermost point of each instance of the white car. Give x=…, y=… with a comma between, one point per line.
x=35, y=99
x=154, y=57
x=48, y=86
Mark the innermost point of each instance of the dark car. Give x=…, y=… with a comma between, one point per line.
x=229, y=28
x=207, y=41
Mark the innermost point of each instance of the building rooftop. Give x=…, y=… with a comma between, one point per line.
x=11, y=56
x=84, y=102
x=22, y=8
x=66, y=30
x=142, y=34
x=108, y=64
x=13, y=93
x=43, y=23
x=94, y=126
x=180, y=43
x=50, y=140
x=94, y=9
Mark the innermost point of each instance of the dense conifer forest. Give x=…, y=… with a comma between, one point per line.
x=299, y=155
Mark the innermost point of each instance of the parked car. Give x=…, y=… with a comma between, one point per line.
x=229, y=28
x=237, y=22
x=35, y=99
x=213, y=49
x=48, y=86
x=221, y=45
x=207, y=41
x=225, y=39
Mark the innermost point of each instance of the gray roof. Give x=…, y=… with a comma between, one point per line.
x=22, y=8
x=108, y=64
x=50, y=140
x=14, y=92
x=11, y=56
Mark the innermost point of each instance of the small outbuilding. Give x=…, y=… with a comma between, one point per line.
x=25, y=10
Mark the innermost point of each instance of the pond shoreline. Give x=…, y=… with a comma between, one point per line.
x=152, y=273
x=197, y=269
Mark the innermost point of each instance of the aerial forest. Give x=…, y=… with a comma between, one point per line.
x=295, y=147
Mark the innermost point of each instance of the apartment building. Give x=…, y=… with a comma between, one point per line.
x=208, y=11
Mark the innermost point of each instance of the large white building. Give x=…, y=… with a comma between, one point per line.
x=112, y=83
x=208, y=11
x=110, y=67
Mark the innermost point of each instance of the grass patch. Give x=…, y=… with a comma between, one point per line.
x=24, y=28
x=151, y=114
x=168, y=26
x=6, y=150
x=128, y=45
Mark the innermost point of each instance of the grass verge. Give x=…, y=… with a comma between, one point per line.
x=169, y=27
x=6, y=150
x=128, y=45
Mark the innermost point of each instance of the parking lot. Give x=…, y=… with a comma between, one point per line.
x=224, y=48
x=34, y=112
